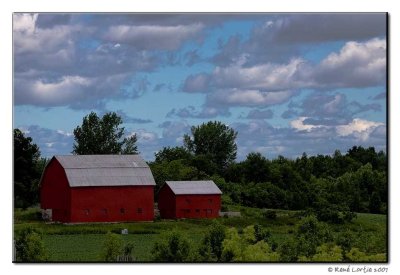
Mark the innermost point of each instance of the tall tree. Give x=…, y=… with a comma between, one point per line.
x=103, y=136
x=26, y=174
x=214, y=140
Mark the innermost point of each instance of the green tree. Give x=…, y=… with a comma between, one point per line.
x=256, y=168
x=112, y=247
x=173, y=248
x=325, y=253
x=27, y=171
x=215, y=140
x=172, y=153
x=103, y=136
x=29, y=247
x=310, y=234
x=211, y=248
x=243, y=248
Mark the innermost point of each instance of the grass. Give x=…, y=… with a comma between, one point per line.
x=83, y=242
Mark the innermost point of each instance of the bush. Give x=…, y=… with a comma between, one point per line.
x=29, y=247
x=287, y=250
x=261, y=234
x=211, y=247
x=112, y=247
x=173, y=248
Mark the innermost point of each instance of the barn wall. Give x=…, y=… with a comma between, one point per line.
x=166, y=203
x=112, y=204
x=55, y=192
x=198, y=206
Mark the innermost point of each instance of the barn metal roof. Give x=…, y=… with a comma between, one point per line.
x=201, y=187
x=106, y=170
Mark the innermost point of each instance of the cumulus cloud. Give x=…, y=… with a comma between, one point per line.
x=327, y=108
x=51, y=142
x=199, y=83
x=277, y=38
x=153, y=36
x=358, y=127
x=314, y=28
x=356, y=65
x=248, y=98
x=74, y=91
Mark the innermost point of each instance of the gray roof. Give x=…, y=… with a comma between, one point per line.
x=201, y=187
x=106, y=170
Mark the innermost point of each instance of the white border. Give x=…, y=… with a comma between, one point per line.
x=6, y=11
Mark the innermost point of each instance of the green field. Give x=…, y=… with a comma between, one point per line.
x=83, y=242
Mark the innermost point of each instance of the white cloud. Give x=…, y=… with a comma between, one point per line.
x=250, y=98
x=267, y=76
x=356, y=65
x=360, y=128
x=153, y=36
x=24, y=22
x=145, y=136
x=299, y=125
x=61, y=132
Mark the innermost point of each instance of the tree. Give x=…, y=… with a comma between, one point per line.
x=171, y=153
x=215, y=140
x=211, y=247
x=173, y=248
x=29, y=247
x=244, y=248
x=256, y=168
x=26, y=170
x=103, y=136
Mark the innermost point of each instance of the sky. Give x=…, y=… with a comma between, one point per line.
x=287, y=83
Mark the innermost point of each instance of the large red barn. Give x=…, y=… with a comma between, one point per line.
x=98, y=188
x=189, y=199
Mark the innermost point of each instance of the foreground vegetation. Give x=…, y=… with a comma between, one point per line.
x=258, y=235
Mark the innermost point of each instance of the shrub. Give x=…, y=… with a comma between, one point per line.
x=211, y=247
x=29, y=247
x=261, y=234
x=173, y=248
x=287, y=250
x=112, y=247
x=325, y=253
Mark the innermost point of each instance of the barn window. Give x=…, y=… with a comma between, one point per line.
x=210, y=201
x=122, y=211
x=104, y=211
x=139, y=210
x=87, y=212
x=187, y=201
x=197, y=211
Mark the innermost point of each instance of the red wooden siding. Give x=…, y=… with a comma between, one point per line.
x=112, y=204
x=55, y=192
x=166, y=203
x=173, y=206
x=198, y=206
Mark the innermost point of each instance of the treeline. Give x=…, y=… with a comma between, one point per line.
x=331, y=185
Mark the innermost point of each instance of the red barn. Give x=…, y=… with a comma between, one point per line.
x=98, y=188
x=189, y=199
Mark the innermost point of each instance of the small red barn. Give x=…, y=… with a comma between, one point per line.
x=189, y=199
x=98, y=188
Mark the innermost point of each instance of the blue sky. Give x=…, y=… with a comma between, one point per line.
x=288, y=83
